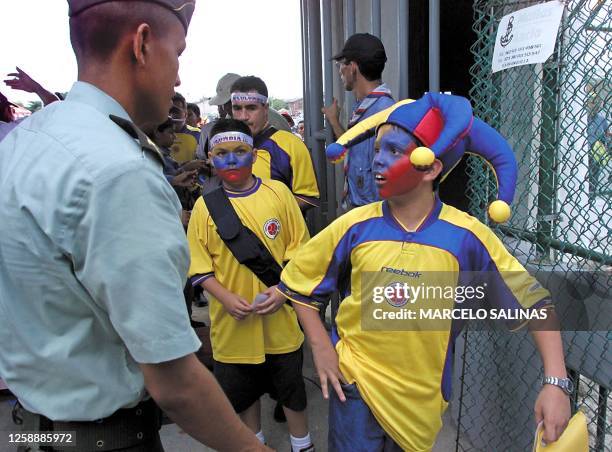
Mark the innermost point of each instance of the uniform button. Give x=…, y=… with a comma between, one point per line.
x=100, y=443
x=138, y=412
x=139, y=435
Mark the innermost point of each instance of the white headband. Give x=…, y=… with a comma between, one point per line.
x=249, y=98
x=230, y=137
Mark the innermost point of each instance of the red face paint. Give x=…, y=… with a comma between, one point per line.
x=400, y=178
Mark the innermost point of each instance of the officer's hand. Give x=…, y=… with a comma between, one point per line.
x=185, y=180
x=326, y=362
x=193, y=165
x=553, y=407
x=274, y=302
x=236, y=306
x=332, y=112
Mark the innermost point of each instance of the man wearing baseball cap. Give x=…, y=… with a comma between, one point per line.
x=224, y=106
x=93, y=256
x=360, y=63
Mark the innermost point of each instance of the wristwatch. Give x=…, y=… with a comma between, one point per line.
x=564, y=383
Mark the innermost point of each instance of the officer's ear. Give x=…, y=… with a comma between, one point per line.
x=141, y=43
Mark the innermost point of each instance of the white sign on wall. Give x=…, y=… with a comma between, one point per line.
x=527, y=36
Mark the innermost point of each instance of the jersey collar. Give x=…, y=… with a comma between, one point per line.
x=427, y=221
x=242, y=194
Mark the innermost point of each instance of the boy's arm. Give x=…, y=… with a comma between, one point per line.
x=235, y=305
x=323, y=352
x=552, y=405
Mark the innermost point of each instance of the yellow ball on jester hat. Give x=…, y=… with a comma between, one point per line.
x=422, y=156
x=499, y=211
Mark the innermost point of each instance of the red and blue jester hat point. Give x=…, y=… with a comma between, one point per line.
x=445, y=124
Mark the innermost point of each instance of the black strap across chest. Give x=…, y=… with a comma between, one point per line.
x=244, y=244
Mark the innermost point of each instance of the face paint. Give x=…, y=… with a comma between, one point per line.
x=394, y=173
x=233, y=162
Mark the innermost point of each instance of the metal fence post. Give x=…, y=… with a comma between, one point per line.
x=403, y=64
x=434, y=46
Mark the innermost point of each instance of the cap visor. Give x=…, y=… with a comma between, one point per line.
x=337, y=57
x=219, y=100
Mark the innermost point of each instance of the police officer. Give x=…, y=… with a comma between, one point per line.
x=92, y=252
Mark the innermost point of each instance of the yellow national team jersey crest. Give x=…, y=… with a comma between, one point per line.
x=272, y=228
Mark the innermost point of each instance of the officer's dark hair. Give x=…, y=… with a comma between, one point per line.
x=178, y=97
x=229, y=125
x=96, y=32
x=249, y=83
x=194, y=107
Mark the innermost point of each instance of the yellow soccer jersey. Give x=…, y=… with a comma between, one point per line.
x=404, y=376
x=185, y=144
x=282, y=156
x=272, y=213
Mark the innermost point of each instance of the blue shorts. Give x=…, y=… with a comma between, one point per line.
x=353, y=427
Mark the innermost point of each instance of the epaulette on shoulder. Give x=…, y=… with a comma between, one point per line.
x=143, y=140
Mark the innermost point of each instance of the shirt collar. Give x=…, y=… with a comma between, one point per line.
x=427, y=221
x=93, y=96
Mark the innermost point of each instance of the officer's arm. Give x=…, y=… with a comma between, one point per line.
x=191, y=397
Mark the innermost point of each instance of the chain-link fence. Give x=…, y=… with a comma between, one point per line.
x=556, y=116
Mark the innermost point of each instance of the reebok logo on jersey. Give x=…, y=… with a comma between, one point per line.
x=272, y=228
x=401, y=272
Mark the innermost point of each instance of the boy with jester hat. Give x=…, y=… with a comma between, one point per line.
x=257, y=345
x=388, y=387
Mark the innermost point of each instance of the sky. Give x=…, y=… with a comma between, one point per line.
x=261, y=38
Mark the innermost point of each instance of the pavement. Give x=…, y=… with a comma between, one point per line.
x=175, y=440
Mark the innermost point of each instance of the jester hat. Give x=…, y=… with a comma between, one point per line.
x=446, y=125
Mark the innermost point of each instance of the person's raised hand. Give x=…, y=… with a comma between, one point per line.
x=332, y=112
x=22, y=81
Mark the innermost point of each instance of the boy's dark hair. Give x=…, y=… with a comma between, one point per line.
x=178, y=97
x=229, y=125
x=194, y=107
x=249, y=83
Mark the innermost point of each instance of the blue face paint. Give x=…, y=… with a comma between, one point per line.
x=392, y=169
x=234, y=166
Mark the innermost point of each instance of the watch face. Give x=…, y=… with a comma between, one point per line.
x=569, y=385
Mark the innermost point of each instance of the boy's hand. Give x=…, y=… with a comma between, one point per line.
x=274, y=302
x=185, y=179
x=235, y=305
x=326, y=363
x=553, y=407
x=193, y=165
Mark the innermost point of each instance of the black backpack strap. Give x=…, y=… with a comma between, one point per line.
x=244, y=244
